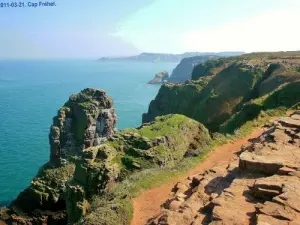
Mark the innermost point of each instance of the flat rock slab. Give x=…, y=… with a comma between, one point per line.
x=270, y=161
x=262, y=187
x=290, y=122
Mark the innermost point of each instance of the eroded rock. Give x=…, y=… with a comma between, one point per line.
x=262, y=189
x=87, y=119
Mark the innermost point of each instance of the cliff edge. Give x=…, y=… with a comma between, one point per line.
x=89, y=159
x=226, y=93
x=87, y=119
x=184, y=69
x=259, y=187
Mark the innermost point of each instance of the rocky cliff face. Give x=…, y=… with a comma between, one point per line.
x=258, y=187
x=87, y=119
x=223, y=88
x=184, y=69
x=160, y=78
x=88, y=157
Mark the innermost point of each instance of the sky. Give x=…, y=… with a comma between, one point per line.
x=96, y=28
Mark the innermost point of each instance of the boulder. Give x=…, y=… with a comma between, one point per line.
x=277, y=152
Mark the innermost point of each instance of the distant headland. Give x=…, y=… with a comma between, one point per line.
x=164, y=57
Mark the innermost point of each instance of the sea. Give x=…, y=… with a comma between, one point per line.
x=31, y=92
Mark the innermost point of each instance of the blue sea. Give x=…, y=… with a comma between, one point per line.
x=31, y=92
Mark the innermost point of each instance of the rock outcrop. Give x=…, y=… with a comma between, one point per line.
x=88, y=157
x=258, y=187
x=162, y=143
x=160, y=78
x=184, y=69
x=226, y=93
x=87, y=119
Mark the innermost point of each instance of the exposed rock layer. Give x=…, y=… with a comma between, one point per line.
x=88, y=157
x=161, y=143
x=258, y=187
x=87, y=119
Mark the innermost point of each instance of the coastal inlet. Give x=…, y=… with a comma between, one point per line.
x=27, y=4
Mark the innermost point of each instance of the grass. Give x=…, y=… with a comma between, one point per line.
x=206, y=99
x=161, y=127
x=56, y=175
x=121, y=194
x=273, y=104
x=166, y=142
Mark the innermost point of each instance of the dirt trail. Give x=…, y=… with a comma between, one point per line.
x=147, y=205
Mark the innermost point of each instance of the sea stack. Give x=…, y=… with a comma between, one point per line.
x=160, y=78
x=87, y=119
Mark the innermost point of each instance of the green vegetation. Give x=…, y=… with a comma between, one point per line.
x=161, y=144
x=277, y=102
x=233, y=90
x=167, y=125
x=231, y=97
x=116, y=207
x=46, y=189
x=208, y=68
x=56, y=175
x=113, y=209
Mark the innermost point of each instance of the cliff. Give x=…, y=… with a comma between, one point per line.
x=93, y=169
x=184, y=69
x=260, y=186
x=88, y=157
x=163, y=57
x=85, y=120
x=225, y=93
x=160, y=78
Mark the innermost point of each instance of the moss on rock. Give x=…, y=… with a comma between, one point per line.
x=164, y=142
x=46, y=190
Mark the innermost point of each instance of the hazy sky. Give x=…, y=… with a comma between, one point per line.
x=94, y=28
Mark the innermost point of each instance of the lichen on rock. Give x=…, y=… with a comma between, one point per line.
x=161, y=143
x=87, y=119
x=88, y=156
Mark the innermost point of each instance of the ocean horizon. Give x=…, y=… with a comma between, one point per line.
x=31, y=92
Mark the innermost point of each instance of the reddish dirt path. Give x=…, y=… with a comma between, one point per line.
x=147, y=205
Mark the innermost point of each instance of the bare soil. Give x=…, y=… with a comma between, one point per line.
x=148, y=204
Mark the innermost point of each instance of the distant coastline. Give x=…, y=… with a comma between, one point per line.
x=164, y=57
